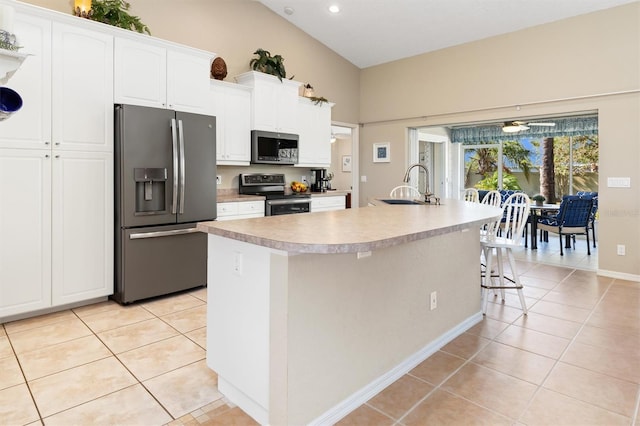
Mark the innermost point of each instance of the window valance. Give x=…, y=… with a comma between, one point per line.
x=572, y=126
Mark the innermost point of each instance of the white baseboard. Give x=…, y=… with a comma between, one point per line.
x=345, y=407
x=619, y=275
x=239, y=398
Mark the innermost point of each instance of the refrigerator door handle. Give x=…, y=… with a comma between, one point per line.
x=157, y=234
x=182, y=164
x=174, y=141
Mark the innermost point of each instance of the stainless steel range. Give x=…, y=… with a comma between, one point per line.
x=279, y=200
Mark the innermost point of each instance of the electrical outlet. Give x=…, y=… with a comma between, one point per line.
x=219, y=179
x=622, y=250
x=434, y=300
x=304, y=178
x=237, y=263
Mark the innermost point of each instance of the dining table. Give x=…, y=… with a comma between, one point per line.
x=536, y=211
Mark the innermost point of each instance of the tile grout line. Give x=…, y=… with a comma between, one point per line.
x=556, y=362
x=126, y=368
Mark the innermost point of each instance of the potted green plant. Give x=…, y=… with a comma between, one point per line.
x=539, y=199
x=114, y=12
x=268, y=64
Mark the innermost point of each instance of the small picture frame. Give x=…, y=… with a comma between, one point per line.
x=382, y=152
x=346, y=163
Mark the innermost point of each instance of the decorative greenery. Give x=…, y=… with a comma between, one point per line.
x=268, y=64
x=538, y=197
x=318, y=99
x=8, y=46
x=509, y=181
x=8, y=41
x=114, y=12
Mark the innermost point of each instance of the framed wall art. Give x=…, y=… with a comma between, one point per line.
x=346, y=163
x=382, y=152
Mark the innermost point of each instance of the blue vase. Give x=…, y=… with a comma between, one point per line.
x=10, y=102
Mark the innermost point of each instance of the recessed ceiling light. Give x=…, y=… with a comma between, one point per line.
x=334, y=8
x=289, y=10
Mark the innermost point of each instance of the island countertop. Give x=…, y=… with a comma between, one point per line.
x=355, y=230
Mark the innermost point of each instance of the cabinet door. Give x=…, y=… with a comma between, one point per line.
x=237, y=125
x=187, y=81
x=314, y=146
x=30, y=127
x=265, y=110
x=82, y=226
x=140, y=74
x=287, y=106
x=82, y=116
x=25, y=230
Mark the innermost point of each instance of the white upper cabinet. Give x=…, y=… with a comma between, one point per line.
x=187, y=80
x=150, y=74
x=231, y=104
x=140, y=74
x=30, y=127
x=274, y=103
x=82, y=75
x=314, y=146
x=67, y=96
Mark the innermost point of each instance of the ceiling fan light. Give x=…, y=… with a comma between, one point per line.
x=511, y=128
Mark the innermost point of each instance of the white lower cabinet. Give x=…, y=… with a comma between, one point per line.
x=240, y=210
x=25, y=231
x=82, y=226
x=323, y=204
x=56, y=228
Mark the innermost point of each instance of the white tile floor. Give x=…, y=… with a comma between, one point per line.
x=548, y=253
x=144, y=364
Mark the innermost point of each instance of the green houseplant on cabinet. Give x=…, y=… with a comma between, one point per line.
x=268, y=64
x=114, y=12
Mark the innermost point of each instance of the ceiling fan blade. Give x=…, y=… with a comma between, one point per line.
x=541, y=124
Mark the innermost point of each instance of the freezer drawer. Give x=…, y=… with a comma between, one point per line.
x=159, y=260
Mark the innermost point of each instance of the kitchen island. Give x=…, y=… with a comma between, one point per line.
x=310, y=315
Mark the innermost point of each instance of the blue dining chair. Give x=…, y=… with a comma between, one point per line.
x=572, y=219
x=594, y=210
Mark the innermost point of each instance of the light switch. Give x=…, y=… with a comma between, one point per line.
x=619, y=182
x=363, y=178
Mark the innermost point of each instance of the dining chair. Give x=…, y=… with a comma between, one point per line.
x=515, y=215
x=405, y=191
x=572, y=219
x=471, y=194
x=594, y=210
x=492, y=198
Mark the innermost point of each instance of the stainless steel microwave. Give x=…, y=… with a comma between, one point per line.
x=273, y=148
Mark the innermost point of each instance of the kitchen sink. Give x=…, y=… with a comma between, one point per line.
x=401, y=201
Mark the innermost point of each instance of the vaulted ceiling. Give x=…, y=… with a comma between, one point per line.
x=372, y=32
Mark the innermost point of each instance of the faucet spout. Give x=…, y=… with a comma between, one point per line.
x=411, y=167
x=427, y=194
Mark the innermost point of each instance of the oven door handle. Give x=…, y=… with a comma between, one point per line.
x=289, y=201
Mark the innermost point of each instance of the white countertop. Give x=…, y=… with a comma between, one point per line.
x=355, y=230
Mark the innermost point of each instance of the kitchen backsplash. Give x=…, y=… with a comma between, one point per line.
x=230, y=173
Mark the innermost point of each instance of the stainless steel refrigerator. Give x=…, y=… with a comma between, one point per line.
x=165, y=182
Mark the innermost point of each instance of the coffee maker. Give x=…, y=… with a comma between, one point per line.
x=318, y=180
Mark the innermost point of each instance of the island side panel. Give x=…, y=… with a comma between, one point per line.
x=353, y=320
x=238, y=296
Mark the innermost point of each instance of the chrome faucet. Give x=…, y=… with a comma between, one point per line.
x=427, y=195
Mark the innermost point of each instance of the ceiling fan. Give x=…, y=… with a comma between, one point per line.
x=517, y=126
